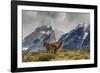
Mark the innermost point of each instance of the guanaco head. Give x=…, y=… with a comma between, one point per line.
x=44, y=44
x=60, y=44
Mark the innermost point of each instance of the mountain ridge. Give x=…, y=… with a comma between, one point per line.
x=77, y=38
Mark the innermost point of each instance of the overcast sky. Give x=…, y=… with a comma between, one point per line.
x=62, y=21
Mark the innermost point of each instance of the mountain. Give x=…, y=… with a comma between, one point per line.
x=36, y=39
x=86, y=43
x=77, y=38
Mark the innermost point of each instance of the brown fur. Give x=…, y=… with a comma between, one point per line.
x=53, y=46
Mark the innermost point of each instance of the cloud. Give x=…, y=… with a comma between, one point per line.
x=63, y=21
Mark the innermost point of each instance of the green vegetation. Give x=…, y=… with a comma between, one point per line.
x=60, y=55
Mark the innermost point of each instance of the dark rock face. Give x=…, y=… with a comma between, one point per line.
x=78, y=38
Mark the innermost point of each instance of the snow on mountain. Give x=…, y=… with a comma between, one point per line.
x=86, y=42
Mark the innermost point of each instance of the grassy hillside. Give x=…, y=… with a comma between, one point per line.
x=60, y=55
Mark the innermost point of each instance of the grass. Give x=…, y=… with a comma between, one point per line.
x=60, y=55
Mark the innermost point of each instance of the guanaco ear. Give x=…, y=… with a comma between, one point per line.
x=44, y=43
x=61, y=42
